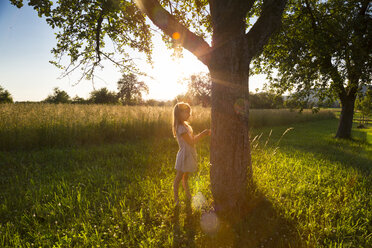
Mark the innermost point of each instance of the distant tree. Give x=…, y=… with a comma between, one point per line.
x=79, y=100
x=184, y=98
x=160, y=103
x=130, y=89
x=152, y=102
x=364, y=104
x=103, y=96
x=58, y=96
x=265, y=100
x=323, y=45
x=5, y=96
x=298, y=101
x=200, y=88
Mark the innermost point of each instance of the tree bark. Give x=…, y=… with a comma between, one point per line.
x=230, y=156
x=346, y=119
x=232, y=51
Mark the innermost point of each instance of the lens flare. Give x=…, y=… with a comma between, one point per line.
x=176, y=35
x=209, y=223
x=198, y=201
x=239, y=106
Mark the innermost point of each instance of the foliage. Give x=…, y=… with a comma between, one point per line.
x=5, y=96
x=323, y=47
x=265, y=100
x=58, y=96
x=130, y=89
x=120, y=195
x=200, y=93
x=84, y=27
x=103, y=96
x=79, y=100
x=297, y=100
x=160, y=103
x=200, y=88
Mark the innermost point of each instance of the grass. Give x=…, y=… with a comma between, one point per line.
x=33, y=126
x=320, y=183
x=311, y=190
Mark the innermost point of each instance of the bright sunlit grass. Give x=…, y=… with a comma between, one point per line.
x=95, y=175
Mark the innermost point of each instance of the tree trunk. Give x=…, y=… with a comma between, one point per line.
x=230, y=149
x=228, y=62
x=346, y=119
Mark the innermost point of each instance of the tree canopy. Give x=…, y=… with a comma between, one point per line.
x=103, y=96
x=200, y=88
x=5, y=96
x=130, y=89
x=322, y=44
x=85, y=27
x=58, y=96
x=323, y=47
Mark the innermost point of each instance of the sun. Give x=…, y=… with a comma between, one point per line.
x=168, y=74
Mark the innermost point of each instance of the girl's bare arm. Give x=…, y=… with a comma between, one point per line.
x=193, y=140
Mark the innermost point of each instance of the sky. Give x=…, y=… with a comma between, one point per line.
x=25, y=44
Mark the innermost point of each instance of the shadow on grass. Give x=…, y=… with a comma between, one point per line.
x=360, y=136
x=262, y=226
x=185, y=237
x=354, y=153
x=319, y=139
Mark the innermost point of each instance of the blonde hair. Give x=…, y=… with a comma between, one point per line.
x=178, y=108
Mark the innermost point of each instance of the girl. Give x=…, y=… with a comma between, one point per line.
x=186, y=157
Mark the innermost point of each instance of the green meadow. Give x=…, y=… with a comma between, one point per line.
x=101, y=176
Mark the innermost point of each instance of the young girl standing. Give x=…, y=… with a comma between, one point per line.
x=186, y=161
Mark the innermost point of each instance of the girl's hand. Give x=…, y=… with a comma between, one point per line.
x=207, y=132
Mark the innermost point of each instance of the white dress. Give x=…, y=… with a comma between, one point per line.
x=186, y=160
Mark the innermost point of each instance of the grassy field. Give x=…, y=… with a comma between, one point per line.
x=311, y=190
x=32, y=126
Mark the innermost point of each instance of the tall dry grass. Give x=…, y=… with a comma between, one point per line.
x=28, y=126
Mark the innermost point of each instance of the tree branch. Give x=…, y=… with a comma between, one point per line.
x=98, y=34
x=170, y=26
x=338, y=82
x=268, y=22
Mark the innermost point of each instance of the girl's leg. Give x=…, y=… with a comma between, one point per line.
x=185, y=184
x=176, y=185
